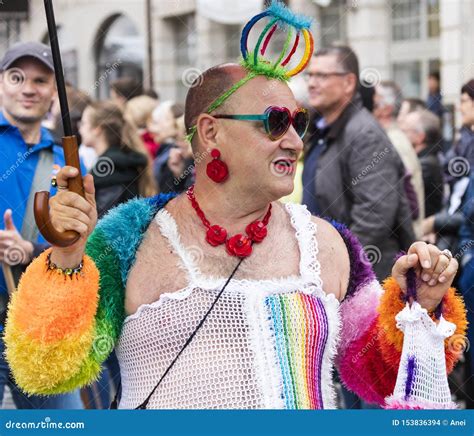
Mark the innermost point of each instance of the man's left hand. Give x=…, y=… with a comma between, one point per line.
x=14, y=250
x=435, y=271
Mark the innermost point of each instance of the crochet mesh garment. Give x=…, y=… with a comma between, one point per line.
x=267, y=344
x=422, y=380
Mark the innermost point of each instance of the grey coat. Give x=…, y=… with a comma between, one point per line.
x=359, y=182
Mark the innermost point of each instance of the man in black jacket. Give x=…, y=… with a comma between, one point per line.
x=352, y=172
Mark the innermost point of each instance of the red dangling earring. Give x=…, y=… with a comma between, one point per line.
x=217, y=169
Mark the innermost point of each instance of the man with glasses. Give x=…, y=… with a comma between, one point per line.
x=352, y=172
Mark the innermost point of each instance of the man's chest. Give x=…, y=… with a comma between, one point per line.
x=161, y=268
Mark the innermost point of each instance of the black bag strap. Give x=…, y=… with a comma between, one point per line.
x=143, y=405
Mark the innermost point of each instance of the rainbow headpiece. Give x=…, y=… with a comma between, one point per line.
x=279, y=17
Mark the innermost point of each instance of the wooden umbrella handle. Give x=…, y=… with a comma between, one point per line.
x=41, y=204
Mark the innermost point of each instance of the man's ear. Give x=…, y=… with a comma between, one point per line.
x=351, y=83
x=207, y=130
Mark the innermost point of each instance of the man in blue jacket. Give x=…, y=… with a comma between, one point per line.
x=29, y=159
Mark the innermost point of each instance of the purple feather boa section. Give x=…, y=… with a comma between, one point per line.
x=361, y=269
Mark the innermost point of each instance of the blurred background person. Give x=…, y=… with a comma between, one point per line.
x=457, y=169
x=124, y=89
x=387, y=103
x=139, y=110
x=152, y=93
x=123, y=169
x=30, y=158
x=168, y=131
x=434, y=102
x=178, y=174
x=409, y=105
x=459, y=161
x=423, y=128
x=77, y=100
x=352, y=173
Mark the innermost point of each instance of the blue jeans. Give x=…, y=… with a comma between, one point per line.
x=22, y=401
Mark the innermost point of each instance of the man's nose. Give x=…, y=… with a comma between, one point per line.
x=292, y=141
x=28, y=87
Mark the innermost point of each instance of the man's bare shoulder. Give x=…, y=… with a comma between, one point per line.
x=333, y=257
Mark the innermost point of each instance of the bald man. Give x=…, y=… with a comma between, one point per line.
x=196, y=325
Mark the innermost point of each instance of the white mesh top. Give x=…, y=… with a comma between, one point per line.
x=266, y=344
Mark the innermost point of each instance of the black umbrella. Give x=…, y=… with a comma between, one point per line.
x=69, y=142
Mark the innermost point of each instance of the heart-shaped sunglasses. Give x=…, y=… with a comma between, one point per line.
x=277, y=120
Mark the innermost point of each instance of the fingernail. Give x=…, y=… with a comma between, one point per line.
x=426, y=264
x=432, y=282
x=426, y=277
x=442, y=279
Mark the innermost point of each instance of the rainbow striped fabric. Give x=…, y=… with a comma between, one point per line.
x=300, y=327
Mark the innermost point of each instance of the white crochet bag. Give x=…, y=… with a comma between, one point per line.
x=422, y=381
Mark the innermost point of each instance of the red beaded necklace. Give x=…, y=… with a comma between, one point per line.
x=238, y=245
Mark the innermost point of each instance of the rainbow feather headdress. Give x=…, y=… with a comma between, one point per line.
x=297, y=28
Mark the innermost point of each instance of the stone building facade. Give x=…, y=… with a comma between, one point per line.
x=395, y=39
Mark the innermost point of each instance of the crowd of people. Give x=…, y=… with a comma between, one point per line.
x=373, y=159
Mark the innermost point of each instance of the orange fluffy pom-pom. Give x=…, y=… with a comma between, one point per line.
x=454, y=311
x=68, y=308
x=391, y=303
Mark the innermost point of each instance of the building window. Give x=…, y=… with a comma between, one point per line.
x=185, y=41
x=120, y=52
x=9, y=32
x=408, y=76
x=12, y=14
x=415, y=19
x=406, y=19
x=185, y=47
x=333, y=23
x=432, y=18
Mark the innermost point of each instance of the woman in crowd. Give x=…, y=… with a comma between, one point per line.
x=123, y=169
x=139, y=110
x=173, y=166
